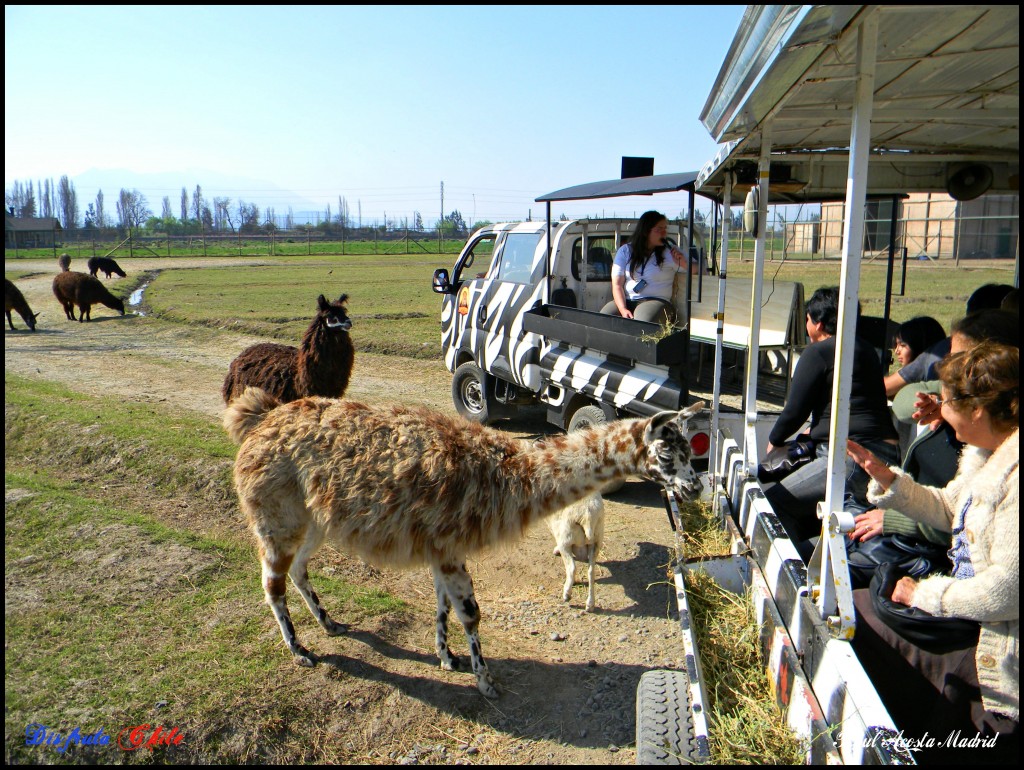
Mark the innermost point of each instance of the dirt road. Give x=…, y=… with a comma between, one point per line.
x=568, y=678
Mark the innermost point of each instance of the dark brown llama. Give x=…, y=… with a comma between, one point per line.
x=105, y=265
x=72, y=288
x=320, y=366
x=409, y=487
x=15, y=300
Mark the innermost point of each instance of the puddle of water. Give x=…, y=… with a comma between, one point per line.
x=135, y=298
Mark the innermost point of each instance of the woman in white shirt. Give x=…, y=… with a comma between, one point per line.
x=644, y=271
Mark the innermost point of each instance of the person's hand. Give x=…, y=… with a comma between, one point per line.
x=678, y=256
x=626, y=312
x=903, y=591
x=867, y=525
x=928, y=411
x=874, y=467
x=770, y=447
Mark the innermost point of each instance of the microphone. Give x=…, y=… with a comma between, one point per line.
x=672, y=245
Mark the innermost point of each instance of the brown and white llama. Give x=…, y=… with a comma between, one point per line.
x=15, y=300
x=72, y=288
x=320, y=366
x=406, y=487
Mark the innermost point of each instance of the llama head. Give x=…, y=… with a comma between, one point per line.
x=31, y=320
x=668, y=452
x=334, y=314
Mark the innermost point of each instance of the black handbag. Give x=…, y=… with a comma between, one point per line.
x=783, y=460
x=916, y=558
x=929, y=632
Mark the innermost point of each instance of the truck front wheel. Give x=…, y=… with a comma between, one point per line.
x=469, y=393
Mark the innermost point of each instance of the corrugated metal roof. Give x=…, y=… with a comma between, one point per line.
x=946, y=92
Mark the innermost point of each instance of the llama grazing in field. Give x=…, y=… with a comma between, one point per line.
x=320, y=366
x=106, y=265
x=578, y=530
x=64, y=261
x=71, y=288
x=15, y=300
x=406, y=487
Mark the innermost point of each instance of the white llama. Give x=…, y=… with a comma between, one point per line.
x=578, y=531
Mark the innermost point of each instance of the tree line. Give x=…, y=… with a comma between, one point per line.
x=197, y=213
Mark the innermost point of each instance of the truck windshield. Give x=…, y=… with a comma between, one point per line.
x=516, y=259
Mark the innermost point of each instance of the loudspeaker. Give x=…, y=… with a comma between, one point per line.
x=750, y=207
x=632, y=167
x=969, y=182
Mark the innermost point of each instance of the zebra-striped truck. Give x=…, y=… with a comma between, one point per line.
x=521, y=325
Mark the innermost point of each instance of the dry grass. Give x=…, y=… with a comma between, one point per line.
x=746, y=725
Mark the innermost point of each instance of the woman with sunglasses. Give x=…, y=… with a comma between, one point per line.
x=979, y=683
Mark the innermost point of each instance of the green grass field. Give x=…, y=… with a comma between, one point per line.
x=394, y=310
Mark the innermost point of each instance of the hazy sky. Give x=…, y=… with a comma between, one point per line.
x=377, y=104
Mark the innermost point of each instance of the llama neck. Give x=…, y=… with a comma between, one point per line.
x=568, y=468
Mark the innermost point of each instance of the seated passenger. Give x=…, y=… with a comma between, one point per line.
x=1000, y=326
x=882, y=536
x=915, y=336
x=987, y=297
x=644, y=272
x=978, y=684
x=795, y=498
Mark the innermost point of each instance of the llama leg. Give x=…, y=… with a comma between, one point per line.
x=275, y=571
x=570, y=571
x=459, y=587
x=300, y=579
x=449, y=662
x=591, y=556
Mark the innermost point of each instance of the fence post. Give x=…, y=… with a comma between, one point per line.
x=307, y=241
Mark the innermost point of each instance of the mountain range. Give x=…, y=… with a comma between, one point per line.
x=156, y=185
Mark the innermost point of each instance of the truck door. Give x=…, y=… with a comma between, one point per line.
x=494, y=317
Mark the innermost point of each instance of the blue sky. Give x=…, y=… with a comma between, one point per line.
x=376, y=104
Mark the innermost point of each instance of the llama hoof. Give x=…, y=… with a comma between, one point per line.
x=336, y=629
x=486, y=686
x=451, y=663
x=590, y=606
x=567, y=596
x=304, y=658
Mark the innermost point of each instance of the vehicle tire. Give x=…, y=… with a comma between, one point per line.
x=469, y=393
x=664, y=726
x=585, y=417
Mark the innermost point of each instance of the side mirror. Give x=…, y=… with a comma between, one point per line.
x=442, y=283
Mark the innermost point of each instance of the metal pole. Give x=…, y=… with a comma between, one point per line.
x=888, y=275
x=753, y=346
x=716, y=387
x=837, y=606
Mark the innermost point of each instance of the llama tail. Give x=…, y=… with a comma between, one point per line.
x=247, y=411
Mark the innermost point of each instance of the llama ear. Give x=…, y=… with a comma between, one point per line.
x=691, y=410
x=321, y=302
x=658, y=424
x=342, y=299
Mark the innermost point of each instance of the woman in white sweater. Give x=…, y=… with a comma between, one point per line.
x=980, y=685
